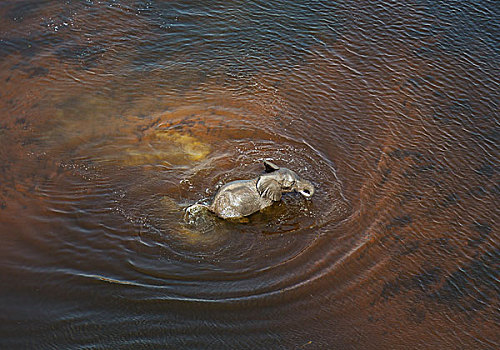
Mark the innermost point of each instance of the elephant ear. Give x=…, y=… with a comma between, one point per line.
x=269, y=188
x=270, y=167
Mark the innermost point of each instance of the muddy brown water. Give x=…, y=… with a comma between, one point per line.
x=116, y=116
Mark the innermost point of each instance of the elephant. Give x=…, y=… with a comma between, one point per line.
x=241, y=198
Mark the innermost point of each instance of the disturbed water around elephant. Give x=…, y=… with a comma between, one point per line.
x=117, y=116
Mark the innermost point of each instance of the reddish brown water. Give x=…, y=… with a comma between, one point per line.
x=115, y=116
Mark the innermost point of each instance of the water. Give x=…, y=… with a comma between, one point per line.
x=116, y=116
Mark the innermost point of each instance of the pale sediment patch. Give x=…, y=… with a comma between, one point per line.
x=164, y=147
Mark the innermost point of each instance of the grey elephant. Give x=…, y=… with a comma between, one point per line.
x=241, y=198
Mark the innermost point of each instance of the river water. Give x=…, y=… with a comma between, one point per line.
x=117, y=115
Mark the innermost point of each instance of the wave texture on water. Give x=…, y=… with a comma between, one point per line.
x=117, y=116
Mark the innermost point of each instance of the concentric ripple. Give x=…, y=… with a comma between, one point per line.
x=151, y=168
x=118, y=115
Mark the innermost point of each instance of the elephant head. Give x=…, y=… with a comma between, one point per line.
x=278, y=180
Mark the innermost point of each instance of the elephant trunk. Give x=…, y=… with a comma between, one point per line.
x=305, y=188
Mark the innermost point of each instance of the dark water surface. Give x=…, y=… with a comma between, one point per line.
x=117, y=115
